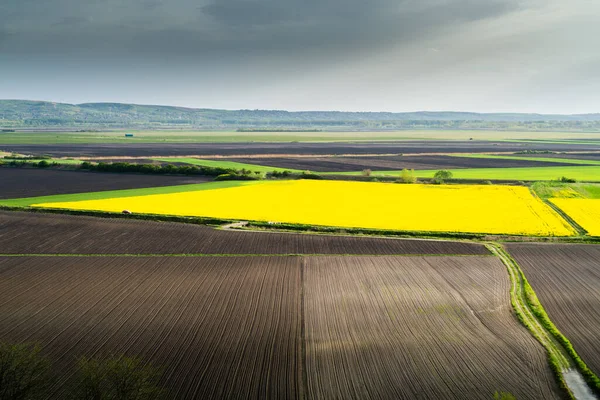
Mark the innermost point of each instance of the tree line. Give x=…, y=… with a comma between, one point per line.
x=25, y=374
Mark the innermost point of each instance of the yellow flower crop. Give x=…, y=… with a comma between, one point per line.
x=586, y=212
x=441, y=208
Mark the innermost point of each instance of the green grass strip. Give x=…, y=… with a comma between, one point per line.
x=516, y=299
x=580, y=173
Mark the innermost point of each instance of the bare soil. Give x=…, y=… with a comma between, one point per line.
x=566, y=279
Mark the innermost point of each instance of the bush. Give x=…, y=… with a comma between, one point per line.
x=23, y=372
x=487, y=183
x=279, y=174
x=235, y=177
x=366, y=172
x=43, y=164
x=309, y=175
x=407, y=176
x=441, y=176
x=564, y=179
x=120, y=378
x=157, y=169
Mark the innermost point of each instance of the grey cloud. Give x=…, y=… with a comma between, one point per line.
x=244, y=26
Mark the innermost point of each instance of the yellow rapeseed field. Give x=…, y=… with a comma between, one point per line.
x=441, y=208
x=586, y=212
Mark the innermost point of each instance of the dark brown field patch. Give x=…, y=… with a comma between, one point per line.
x=566, y=279
x=220, y=328
x=282, y=327
x=241, y=148
x=33, y=233
x=386, y=163
x=406, y=327
x=33, y=182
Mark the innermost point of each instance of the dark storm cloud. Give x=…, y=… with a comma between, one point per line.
x=153, y=27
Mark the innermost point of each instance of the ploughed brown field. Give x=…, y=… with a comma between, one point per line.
x=282, y=326
x=32, y=233
x=240, y=148
x=221, y=327
x=412, y=327
x=566, y=279
x=32, y=182
x=386, y=163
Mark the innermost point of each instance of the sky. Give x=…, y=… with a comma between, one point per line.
x=348, y=55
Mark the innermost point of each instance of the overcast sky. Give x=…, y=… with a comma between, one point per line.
x=356, y=55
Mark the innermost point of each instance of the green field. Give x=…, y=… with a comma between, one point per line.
x=541, y=159
x=547, y=190
x=583, y=173
x=224, y=164
x=141, y=136
x=112, y=194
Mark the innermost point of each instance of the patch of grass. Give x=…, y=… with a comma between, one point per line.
x=555, y=189
x=583, y=173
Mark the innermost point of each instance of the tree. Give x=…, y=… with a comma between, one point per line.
x=407, y=176
x=117, y=378
x=23, y=372
x=441, y=176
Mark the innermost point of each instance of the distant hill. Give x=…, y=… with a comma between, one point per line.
x=23, y=114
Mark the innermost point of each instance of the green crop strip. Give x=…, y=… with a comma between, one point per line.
x=580, y=173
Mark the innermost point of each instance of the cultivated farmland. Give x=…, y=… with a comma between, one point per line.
x=222, y=327
x=566, y=278
x=33, y=233
x=30, y=182
x=438, y=208
x=240, y=148
x=586, y=212
x=386, y=163
x=231, y=327
x=374, y=324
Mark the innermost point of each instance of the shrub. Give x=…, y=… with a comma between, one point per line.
x=441, y=176
x=23, y=372
x=407, y=176
x=564, y=179
x=366, y=172
x=122, y=378
x=279, y=174
x=43, y=164
x=309, y=175
x=235, y=177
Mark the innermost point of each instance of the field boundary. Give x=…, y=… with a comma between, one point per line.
x=240, y=255
x=562, y=357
